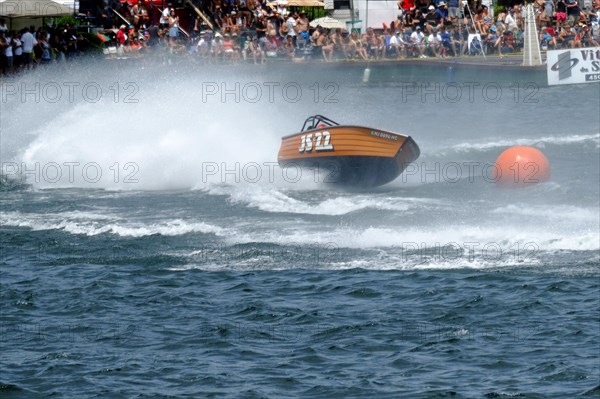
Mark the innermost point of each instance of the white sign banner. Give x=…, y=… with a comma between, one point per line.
x=569, y=66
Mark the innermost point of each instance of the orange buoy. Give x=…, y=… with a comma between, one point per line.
x=521, y=166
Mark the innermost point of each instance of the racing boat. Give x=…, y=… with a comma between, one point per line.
x=348, y=155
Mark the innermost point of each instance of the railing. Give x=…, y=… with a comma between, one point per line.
x=201, y=15
x=121, y=16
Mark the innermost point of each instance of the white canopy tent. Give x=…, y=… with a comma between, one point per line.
x=21, y=13
x=328, y=22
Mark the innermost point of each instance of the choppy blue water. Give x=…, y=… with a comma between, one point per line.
x=194, y=267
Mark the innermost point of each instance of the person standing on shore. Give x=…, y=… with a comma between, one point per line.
x=4, y=46
x=303, y=23
x=28, y=43
x=173, y=24
x=121, y=39
x=595, y=20
x=8, y=53
x=573, y=12
x=406, y=5
x=17, y=50
x=291, y=27
x=164, y=17
x=510, y=20
x=561, y=13
x=153, y=36
x=549, y=8
x=45, y=49
x=453, y=11
x=260, y=27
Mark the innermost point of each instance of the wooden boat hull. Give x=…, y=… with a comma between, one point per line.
x=349, y=155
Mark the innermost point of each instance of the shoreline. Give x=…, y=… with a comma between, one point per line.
x=512, y=61
x=503, y=70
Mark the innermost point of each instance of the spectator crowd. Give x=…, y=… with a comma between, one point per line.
x=255, y=31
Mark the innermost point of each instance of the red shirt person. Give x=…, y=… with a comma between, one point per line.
x=121, y=37
x=406, y=4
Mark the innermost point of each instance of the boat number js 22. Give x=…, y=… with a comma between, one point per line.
x=321, y=141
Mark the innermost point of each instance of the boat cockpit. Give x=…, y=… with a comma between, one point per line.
x=317, y=122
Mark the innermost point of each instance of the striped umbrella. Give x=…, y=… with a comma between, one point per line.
x=102, y=37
